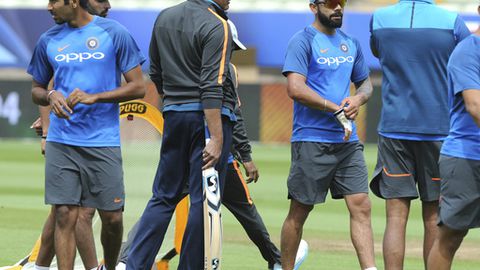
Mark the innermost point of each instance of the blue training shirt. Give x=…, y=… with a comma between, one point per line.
x=329, y=63
x=463, y=141
x=91, y=58
x=414, y=40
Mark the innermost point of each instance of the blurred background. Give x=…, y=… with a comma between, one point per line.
x=264, y=26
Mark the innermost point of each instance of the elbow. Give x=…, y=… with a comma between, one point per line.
x=36, y=98
x=139, y=90
x=293, y=91
x=473, y=108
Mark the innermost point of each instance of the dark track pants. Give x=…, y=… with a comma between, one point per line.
x=237, y=199
x=180, y=164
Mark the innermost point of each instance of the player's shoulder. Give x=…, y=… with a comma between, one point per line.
x=469, y=44
x=303, y=36
x=52, y=32
x=109, y=25
x=387, y=10
x=348, y=37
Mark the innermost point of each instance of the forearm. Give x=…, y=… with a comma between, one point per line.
x=471, y=99
x=300, y=92
x=364, y=90
x=45, y=118
x=240, y=143
x=214, y=123
x=129, y=91
x=473, y=108
x=40, y=96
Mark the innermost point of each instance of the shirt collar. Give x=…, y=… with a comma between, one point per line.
x=215, y=4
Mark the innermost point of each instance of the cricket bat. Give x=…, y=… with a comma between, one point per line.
x=212, y=218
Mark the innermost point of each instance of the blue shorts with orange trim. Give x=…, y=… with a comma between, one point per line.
x=404, y=165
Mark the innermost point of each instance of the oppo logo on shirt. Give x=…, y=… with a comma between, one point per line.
x=335, y=60
x=80, y=57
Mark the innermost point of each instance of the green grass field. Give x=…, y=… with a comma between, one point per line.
x=22, y=212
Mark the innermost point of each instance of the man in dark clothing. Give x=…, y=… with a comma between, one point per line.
x=189, y=54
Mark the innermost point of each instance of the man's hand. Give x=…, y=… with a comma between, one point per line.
x=251, y=171
x=59, y=105
x=344, y=123
x=42, y=145
x=37, y=125
x=211, y=153
x=351, y=106
x=79, y=96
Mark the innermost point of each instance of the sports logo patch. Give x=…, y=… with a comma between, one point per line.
x=92, y=43
x=344, y=48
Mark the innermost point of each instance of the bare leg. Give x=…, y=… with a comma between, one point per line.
x=361, y=233
x=112, y=230
x=292, y=232
x=444, y=248
x=47, y=247
x=84, y=237
x=430, y=214
x=65, y=220
x=394, y=238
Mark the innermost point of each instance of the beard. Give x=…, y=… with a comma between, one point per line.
x=328, y=22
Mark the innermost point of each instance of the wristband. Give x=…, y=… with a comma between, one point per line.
x=44, y=137
x=49, y=94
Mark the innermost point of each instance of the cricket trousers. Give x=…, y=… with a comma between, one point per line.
x=236, y=198
x=180, y=165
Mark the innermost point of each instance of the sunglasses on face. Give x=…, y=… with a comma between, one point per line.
x=332, y=4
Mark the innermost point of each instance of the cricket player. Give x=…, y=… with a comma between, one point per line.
x=83, y=229
x=460, y=155
x=320, y=64
x=190, y=73
x=412, y=40
x=83, y=160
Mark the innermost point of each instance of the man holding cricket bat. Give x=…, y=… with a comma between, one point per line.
x=190, y=52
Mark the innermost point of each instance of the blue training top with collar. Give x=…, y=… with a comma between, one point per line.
x=329, y=63
x=91, y=58
x=414, y=40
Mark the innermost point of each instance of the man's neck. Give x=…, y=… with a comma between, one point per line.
x=82, y=18
x=324, y=29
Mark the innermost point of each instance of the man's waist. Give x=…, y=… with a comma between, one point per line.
x=192, y=102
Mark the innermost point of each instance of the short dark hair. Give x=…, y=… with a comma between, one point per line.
x=83, y=3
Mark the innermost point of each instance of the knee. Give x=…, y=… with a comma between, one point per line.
x=298, y=214
x=65, y=216
x=451, y=239
x=113, y=220
x=86, y=215
x=361, y=208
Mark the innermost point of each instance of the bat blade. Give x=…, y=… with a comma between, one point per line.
x=212, y=219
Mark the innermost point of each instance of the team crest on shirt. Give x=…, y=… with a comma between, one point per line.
x=344, y=47
x=92, y=43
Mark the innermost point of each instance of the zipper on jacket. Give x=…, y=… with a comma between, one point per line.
x=413, y=13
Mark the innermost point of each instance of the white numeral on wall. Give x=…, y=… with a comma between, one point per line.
x=10, y=108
